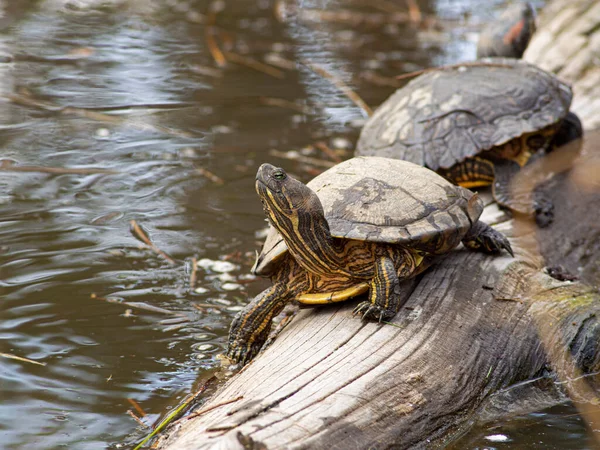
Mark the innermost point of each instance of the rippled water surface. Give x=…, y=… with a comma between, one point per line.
x=134, y=87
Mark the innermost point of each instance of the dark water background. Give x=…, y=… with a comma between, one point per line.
x=131, y=86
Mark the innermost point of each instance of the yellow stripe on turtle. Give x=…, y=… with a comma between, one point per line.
x=332, y=297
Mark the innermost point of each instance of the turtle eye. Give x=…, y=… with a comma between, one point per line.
x=279, y=175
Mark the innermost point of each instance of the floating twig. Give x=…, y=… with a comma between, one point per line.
x=138, y=305
x=328, y=151
x=21, y=358
x=209, y=305
x=207, y=71
x=282, y=103
x=295, y=156
x=25, y=100
x=379, y=80
x=213, y=47
x=450, y=67
x=8, y=165
x=137, y=407
x=343, y=87
x=255, y=64
x=414, y=12
x=211, y=176
x=141, y=234
x=275, y=59
x=194, y=274
x=210, y=408
x=137, y=419
x=210, y=31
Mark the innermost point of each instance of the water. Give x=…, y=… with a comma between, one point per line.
x=131, y=86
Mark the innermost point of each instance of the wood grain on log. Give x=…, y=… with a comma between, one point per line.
x=568, y=43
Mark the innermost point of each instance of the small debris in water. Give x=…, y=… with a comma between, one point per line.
x=497, y=438
x=200, y=290
x=102, y=132
x=216, y=266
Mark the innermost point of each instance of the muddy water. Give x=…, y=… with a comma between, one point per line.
x=131, y=86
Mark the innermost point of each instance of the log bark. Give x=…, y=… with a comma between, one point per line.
x=477, y=336
x=568, y=43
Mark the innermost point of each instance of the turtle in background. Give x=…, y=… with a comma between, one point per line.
x=509, y=36
x=367, y=224
x=477, y=124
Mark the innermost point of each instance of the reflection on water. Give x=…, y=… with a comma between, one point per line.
x=132, y=86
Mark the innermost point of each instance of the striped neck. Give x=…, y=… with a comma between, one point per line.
x=297, y=214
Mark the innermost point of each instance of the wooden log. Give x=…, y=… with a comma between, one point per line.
x=478, y=335
x=568, y=43
x=474, y=327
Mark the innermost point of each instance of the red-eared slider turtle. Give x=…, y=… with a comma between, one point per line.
x=508, y=36
x=476, y=124
x=366, y=224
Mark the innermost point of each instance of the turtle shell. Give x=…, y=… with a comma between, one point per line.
x=389, y=201
x=446, y=115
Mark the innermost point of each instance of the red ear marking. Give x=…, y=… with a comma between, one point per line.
x=514, y=32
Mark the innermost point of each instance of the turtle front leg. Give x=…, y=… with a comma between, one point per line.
x=483, y=238
x=385, y=296
x=250, y=327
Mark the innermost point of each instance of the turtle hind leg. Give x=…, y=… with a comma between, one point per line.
x=470, y=173
x=523, y=199
x=387, y=293
x=483, y=238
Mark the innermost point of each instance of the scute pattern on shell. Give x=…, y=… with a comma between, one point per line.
x=444, y=116
x=390, y=201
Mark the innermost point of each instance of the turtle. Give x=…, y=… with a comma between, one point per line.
x=476, y=124
x=509, y=36
x=367, y=224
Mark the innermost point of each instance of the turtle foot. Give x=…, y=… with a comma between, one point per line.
x=242, y=352
x=243, y=344
x=484, y=238
x=370, y=311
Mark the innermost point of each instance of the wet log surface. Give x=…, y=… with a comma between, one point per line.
x=475, y=329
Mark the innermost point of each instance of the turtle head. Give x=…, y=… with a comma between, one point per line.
x=297, y=213
x=510, y=35
x=283, y=195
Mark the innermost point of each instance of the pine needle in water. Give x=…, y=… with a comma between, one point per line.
x=141, y=234
x=20, y=358
x=343, y=87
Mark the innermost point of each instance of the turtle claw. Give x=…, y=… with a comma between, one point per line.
x=485, y=239
x=494, y=242
x=242, y=352
x=370, y=311
x=243, y=346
